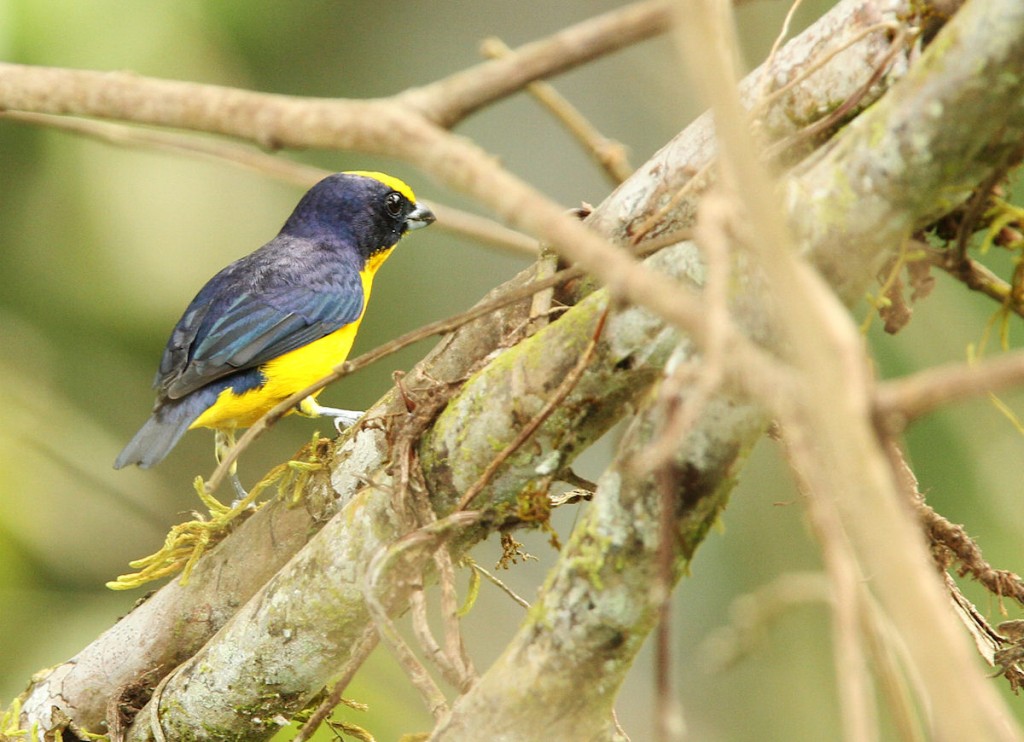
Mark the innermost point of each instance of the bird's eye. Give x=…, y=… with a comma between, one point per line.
x=393, y=203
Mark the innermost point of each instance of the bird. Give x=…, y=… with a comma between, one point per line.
x=279, y=319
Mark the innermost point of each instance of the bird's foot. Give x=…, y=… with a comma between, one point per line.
x=342, y=418
x=240, y=493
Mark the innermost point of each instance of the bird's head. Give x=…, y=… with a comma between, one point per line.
x=366, y=209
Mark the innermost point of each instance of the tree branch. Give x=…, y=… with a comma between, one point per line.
x=901, y=401
x=448, y=101
x=276, y=121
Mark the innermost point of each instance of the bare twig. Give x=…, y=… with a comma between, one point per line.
x=784, y=31
x=973, y=275
x=501, y=585
x=610, y=155
x=450, y=100
x=900, y=401
x=401, y=563
x=455, y=649
x=442, y=658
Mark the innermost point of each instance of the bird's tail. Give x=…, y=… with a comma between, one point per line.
x=161, y=432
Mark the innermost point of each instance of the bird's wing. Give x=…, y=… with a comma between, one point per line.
x=219, y=335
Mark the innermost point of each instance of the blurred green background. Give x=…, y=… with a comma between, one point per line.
x=101, y=248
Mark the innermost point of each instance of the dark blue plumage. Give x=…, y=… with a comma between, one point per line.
x=257, y=309
x=302, y=286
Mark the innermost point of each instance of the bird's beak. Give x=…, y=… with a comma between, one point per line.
x=420, y=216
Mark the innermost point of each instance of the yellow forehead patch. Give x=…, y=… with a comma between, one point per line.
x=389, y=180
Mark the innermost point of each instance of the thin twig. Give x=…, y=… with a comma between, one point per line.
x=886, y=652
x=668, y=720
x=386, y=563
x=975, y=208
x=500, y=585
x=836, y=116
x=155, y=727
x=540, y=306
x=197, y=145
x=609, y=154
x=448, y=101
x=973, y=275
x=899, y=401
x=682, y=412
x=425, y=637
x=480, y=228
x=454, y=665
x=848, y=596
x=784, y=31
x=454, y=646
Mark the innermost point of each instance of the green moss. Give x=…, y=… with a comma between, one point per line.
x=590, y=555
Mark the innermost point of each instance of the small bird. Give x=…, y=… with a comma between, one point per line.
x=278, y=319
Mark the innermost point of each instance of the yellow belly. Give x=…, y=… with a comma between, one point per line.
x=285, y=375
x=290, y=372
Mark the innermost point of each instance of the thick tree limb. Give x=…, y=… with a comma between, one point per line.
x=599, y=603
